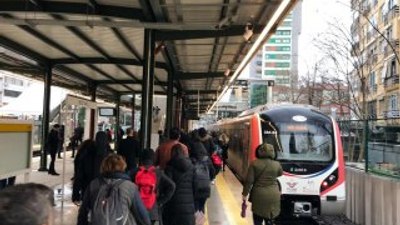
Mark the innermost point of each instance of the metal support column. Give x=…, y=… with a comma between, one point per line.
x=170, y=101
x=92, y=90
x=133, y=110
x=178, y=109
x=117, y=123
x=45, y=118
x=147, y=89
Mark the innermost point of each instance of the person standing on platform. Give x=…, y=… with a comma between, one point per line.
x=76, y=139
x=102, y=150
x=83, y=169
x=112, y=198
x=180, y=209
x=224, y=141
x=163, y=152
x=262, y=184
x=207, y=141
x=129, y=148
x=147, y=177
x=52, y=147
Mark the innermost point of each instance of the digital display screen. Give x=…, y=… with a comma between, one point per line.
x=295, y=127
x=106, y=111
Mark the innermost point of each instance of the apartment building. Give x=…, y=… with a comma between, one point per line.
x=276, y=63
x=375, y=32
x=11, y=86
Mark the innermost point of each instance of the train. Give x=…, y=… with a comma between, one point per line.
x=307, y=145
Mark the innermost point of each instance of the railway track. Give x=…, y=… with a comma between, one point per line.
x=298, y=221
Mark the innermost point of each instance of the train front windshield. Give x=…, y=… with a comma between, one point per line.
x=299, y=137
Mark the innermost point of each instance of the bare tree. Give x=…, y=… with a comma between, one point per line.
x=352, y=60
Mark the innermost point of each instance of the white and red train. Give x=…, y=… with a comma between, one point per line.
x=308, y=146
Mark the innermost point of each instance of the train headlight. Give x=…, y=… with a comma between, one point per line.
x=329, y=181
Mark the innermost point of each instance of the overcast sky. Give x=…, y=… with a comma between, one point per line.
x=316, y=16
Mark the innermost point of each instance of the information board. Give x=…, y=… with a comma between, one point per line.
x=15, y=147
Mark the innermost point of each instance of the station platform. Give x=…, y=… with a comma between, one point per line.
x=223, y=207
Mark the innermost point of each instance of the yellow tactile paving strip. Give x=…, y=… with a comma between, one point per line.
x=231, y=207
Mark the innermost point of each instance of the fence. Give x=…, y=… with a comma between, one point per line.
x=380, y=153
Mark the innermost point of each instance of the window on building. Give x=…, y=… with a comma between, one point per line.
x=270, y=48
x=372, y=79
x=269, y=72
x=393, y=102
x=259, y=63
x=11, y=93
x=389, y=33
x=393, y=68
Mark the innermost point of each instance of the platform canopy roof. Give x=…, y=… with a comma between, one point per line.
x=101, y=42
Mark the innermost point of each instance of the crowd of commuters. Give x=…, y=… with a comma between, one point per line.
x=141, y=186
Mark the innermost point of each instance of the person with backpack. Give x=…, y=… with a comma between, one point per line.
x=112, y=199
x=203, y=173
x=180, y=209
x=262, y=184
x=155, y=188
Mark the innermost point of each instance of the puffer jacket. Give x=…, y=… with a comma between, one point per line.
x=262, y=184
x=180, y=209
x=131, y=200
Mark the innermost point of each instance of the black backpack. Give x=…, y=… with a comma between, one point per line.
x=201, y=179
x=107, y=208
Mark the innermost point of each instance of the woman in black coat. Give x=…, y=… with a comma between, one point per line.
x=83, y=169
x=180, y=209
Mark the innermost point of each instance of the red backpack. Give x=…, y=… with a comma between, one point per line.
x=146, y=180
x=216, y=159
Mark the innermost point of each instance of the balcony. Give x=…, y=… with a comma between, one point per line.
x=393, y=13
x=388, y=49
x=391, y=81
x=391, y=114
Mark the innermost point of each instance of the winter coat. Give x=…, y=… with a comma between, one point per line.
x=165, y=190
x=180, y=209
x=262, y=184
x=130, y=200
x=129, y=148
x=52, y=141
x=199, y=153
x=208, y=144
x=84, y=171
x=163, y=152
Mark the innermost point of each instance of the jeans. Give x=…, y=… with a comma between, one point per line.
x=53, y=159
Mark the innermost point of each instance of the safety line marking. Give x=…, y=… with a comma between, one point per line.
x=230, y=205
x=206, y=215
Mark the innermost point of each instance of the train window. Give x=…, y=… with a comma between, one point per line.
x=300, y=142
